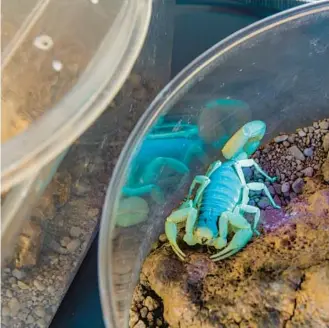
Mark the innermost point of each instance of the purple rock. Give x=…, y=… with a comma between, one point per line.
x=308, y=152
x=298, y=185
x=285, y=187
x=277, y=188
x=308, y=172
x=271, y=190
x=263, y=203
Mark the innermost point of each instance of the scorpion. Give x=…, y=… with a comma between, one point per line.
x=222, y=198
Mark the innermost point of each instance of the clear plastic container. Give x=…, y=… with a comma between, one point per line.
x=275, y=70
x=62, y=63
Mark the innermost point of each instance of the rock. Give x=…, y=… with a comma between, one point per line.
x=93, y=212
x=325, y=170
x=271, y=190
x=29, y=319
x=324, y=125
x=285, y=187
x=12, y=280
x=28, y=246
x=41, y=323
x=163, y=238
x=298, y=185
x=308, y=152
x=247, y=171
x=39, y=285
x=263, y=203
x=9, y=293
x=5, y=311
x=275, y=282
x=286, y=143
x=296, y=152
x=277, y=188
x=40, y=312
x=14, y=306
x=73, y=245
x=19, y=274
x=133, y=318
x=277, y=200
x=325, y=142
x=143, y=311
x=65, y=241
x=313, y=296
x=81, y=188
x=151, y=303
x=140, y=324
x=301, y=133
x=51, y=289
x=75, y=232
x=56, y=247
x=150, y=317
x=281, y=138
x=308, y=172
x=22, y=285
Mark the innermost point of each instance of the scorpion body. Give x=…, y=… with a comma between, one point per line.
x=221, y=195
x=222, y=198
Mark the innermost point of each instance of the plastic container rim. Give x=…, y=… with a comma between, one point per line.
x=83, y=104
x=169, y=94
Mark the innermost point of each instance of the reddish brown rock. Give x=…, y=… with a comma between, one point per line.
x=281, y=279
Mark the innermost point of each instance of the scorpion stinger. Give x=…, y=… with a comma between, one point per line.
x=245, y=140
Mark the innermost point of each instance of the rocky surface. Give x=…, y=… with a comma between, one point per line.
x=281, y=279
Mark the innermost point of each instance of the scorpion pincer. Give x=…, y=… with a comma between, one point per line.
x=222, y=198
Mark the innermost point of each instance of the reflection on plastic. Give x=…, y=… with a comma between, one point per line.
x=162, y=164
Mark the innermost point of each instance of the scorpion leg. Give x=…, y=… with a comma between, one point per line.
x=251, y=162
x=213, y=167
x=241, y=237
x=186, y=214
x=252, y=210
x=240, y=240
x=234, y=219
x=258, y=186
x=203, y=181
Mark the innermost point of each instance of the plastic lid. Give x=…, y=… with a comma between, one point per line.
x=62, y=63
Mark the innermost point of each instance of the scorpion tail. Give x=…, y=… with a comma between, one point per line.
x=245, y=140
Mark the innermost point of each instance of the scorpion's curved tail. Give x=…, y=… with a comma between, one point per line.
x=245, y=140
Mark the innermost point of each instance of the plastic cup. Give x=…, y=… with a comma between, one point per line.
x=275, y=70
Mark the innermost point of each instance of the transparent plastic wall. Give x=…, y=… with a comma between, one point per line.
x=275, y=70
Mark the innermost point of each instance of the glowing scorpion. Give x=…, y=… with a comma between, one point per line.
x=222, y=198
